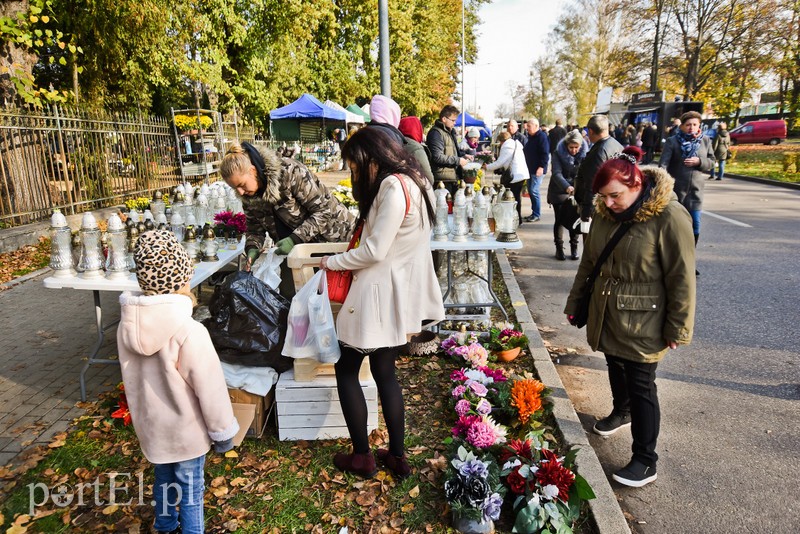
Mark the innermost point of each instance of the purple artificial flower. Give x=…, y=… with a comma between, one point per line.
x=491, y=507
x=474, y=467
x=478, y=388
x=459, y=391
x=484, y=407
x=463, y=407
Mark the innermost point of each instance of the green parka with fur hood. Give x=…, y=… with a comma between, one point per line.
x=644, y=296
x=294, y=204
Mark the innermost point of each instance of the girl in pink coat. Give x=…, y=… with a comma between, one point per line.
x=173, y=381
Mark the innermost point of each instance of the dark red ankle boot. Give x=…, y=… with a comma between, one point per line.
x=362, y=465
x=397, y=464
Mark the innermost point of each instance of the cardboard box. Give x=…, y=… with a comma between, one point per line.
x=252, y=411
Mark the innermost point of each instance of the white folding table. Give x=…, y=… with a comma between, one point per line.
x=202, y=271
x=489, y=245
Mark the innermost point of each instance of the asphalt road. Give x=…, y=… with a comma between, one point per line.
x=730, y=432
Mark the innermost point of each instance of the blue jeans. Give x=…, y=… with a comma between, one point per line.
x=533, y=191
x=180, y=483
x=695, y=221
x=721, y=169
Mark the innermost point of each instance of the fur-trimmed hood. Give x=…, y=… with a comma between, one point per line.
x=272, y=173
x=660, y=197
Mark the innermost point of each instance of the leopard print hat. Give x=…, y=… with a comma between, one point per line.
x=162, y=264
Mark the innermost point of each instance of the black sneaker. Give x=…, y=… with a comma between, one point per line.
x=635, y=474
x=612, y=423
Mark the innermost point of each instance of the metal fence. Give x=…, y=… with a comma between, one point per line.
x=79, y=160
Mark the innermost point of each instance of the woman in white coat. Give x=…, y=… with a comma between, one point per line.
x=394, y=290
x=511, y=153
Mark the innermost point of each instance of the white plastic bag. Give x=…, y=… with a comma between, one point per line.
x=267, y=268
x=312, y=332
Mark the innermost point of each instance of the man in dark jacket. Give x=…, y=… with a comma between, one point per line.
x=446, y=158
x=650, y=141
x=537, y=156
x=603, y=148
x=555, y=135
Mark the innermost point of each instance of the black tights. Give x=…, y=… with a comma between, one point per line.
x=354, y=405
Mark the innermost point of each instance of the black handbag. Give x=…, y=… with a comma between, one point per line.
x=581, y=316
x=506, y=178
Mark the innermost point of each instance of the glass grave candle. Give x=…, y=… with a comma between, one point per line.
x=90, y=264
x=61, y=260
x=209, y=244
x=480, y=219
x=506, y=218
x=441, y=228
x=460, y=225
x=117, y=261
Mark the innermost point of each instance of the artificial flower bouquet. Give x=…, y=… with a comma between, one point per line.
x=228, y=221
x=472, y=488
x=505, y=337
x=548, y=492
x=465, y=346
x=496, y=401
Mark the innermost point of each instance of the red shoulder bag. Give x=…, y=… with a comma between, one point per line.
x=339, y=281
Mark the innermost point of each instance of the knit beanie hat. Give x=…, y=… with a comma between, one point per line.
x=384, y=109
x=162, y=264
x=473, y=132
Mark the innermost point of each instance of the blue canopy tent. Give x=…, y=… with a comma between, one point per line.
x=469, y=120
x=304, y=119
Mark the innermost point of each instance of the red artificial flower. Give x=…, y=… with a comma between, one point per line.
x=552, y=472
x=516, y=481
x=123, y=412
x=521, y=448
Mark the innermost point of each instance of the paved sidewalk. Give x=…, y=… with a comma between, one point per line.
x=45, y=337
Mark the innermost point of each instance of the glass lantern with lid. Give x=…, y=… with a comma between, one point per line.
x=61, y=260
x=209, y=244
x=90, y=264
x=117, y=261
x=460, y=225
x=480, y=219
x=157, y=205
x=506, y=218
x=191, y=245
x=441, y=228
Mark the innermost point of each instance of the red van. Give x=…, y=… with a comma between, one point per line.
x=769, y=132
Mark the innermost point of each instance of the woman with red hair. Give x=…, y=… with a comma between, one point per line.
x=642, y=297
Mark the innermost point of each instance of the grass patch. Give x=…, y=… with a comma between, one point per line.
x=762, y=161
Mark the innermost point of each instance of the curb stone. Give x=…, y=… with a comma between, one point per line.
x=16, y=281
x=759, y=180
x=606, y=513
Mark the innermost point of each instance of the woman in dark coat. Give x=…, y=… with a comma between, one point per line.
x=567, y=157
x=643, y=300
x=687, y=156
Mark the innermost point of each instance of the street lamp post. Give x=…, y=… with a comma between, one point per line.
x=383, y=50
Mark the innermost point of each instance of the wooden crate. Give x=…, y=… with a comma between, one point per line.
x=311, y=410
x=308, y=369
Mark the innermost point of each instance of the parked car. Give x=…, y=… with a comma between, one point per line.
x=769, y=132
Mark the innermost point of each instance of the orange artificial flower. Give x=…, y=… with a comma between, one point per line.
x=526, y=397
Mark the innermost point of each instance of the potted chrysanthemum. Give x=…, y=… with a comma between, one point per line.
x=505, y=342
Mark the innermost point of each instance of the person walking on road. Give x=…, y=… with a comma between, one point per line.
x=642, y=301
x=687, y=156
x=722, y=149
x=566, y=159
x=394, y=290
x=537, y=157
x=650, y=140
x=511, y=156
x=603, y=147
x=556, y=134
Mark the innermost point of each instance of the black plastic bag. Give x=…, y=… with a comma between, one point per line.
x=248, y=322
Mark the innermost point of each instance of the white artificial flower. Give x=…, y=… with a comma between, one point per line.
x=511, y=464
x=534, y=500
x=478, y=376
x=550, y=492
